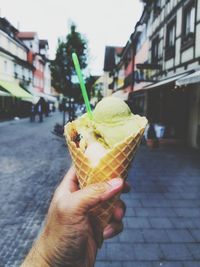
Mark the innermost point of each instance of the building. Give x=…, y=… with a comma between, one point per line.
x=113, y=77
x=15, y=72
x=173, y=33
x=38, y=57
x=31, y=40
x=162, y=63
x=43, y=51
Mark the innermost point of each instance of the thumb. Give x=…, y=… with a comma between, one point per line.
x=94, y=194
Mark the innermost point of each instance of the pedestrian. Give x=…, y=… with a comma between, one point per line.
x=40, y=112
x=40, y=109
x=68, y=237
x=32, y=113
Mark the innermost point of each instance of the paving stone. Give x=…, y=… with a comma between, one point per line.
x=155, y=236
x=160, y=223
x=137, y=264
x=169, y=264
x=131, y=236
x=147, y=252
x=189, y=212
x=136, y=222
x=108, y=264
x=192, y=264
x=154, y=212
x=176, y=252
x=195, y=234
x=195, y=250
x=182, y=223
x=121, y=252
x=179, y=235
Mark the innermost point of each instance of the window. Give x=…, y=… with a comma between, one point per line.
x=156, y=8
x=154, y=50
x=170, y=40
x=188, y=25
x=5, y=66
x=189, y=20
x=171, y=35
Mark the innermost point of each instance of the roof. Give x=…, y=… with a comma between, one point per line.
x=26, y=35
x=7, y=27
x=10, y=30
x=109, y=59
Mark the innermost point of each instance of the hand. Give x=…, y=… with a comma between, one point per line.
x=68, y=237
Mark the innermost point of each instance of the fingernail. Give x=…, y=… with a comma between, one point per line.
x=116, y=182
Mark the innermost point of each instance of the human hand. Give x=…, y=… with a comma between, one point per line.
x=68, y=238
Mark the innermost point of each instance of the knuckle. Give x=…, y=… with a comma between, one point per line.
x=99, y=187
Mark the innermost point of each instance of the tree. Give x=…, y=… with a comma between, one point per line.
x=62, y=67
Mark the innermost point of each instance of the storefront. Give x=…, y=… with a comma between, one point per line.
x=11, y=100
x=174, y=104
x=191, y=84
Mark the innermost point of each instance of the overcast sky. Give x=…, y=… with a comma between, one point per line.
x=103, y=22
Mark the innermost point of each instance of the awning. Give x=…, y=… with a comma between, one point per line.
x=15, y=89
x=33, y=100
x=189, y=79
x=46, y=97
x=2, y=93
x=167, y=80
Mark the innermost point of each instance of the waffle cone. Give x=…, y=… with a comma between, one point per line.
x=114, y=164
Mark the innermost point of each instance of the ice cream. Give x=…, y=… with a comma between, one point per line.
x=103, y=148
x=112, y=123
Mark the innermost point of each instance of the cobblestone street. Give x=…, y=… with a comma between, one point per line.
x=162, y=223
x=32, y=162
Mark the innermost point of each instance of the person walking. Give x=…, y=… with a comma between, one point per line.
x=32, y=113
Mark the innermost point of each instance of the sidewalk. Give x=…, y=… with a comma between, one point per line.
x=162, y=223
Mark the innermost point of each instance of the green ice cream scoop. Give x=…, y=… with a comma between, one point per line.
x=111, y=110
x=114, y=122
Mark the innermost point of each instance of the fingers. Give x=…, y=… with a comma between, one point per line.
x=126, y=188
x=70, y=181
x=112, y=229
x=119, y=210
x=93, y=194
x=116, y=226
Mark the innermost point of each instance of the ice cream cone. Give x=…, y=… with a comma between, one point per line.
x=114, y=164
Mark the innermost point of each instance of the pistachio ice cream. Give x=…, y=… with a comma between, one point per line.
x=112, y=123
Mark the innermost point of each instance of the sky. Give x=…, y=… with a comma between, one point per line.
x=102, y=22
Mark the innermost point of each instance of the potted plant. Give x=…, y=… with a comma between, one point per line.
x=152, y=140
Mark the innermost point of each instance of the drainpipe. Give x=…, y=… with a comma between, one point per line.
x=133, y=66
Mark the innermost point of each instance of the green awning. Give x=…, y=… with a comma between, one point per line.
x=15, y=89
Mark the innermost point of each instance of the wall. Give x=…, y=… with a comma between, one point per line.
x=6, y=67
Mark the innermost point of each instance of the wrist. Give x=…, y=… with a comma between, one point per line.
x=35, y=258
